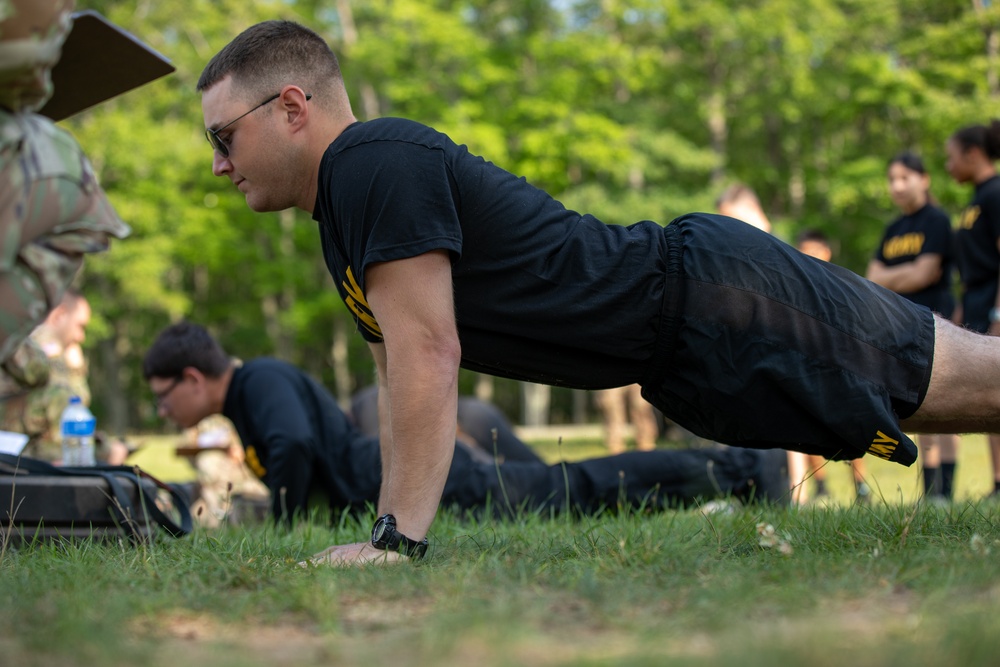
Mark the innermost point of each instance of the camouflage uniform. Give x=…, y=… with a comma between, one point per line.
x=52, y=211
x=228, y=489
x=36, y=411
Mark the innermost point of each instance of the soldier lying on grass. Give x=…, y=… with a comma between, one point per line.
x=304, y=447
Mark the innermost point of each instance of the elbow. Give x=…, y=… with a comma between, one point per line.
x=443, y=354
x=435, y=348
x=448, y=352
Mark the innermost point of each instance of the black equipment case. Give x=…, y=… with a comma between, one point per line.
x=39, y=501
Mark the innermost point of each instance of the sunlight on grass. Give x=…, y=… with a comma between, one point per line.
x=157, y=456
x=895, y=583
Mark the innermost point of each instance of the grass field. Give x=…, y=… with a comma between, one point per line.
x=897, y=583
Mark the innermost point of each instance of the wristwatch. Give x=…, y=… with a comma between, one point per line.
x=387, y=538
x=994, y=315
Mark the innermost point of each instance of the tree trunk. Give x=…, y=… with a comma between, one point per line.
x=338, y=357
x=109, y=385
x=484, y=387
x=370, y=105
x=535, y=399
x=992, y=38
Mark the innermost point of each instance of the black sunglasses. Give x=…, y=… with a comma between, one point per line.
x=159, y=397
x=213, y=135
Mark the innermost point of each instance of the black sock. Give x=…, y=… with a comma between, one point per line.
x=820, y=487
x=932, y=485
x=947, y=479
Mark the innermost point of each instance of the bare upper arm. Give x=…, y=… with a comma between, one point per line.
x=412, y=299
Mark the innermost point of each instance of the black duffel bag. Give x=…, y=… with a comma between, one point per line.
x=40, y=501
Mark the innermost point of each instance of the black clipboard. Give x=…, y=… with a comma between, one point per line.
x=99, y=61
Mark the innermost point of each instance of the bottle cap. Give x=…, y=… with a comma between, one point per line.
x=74, y=399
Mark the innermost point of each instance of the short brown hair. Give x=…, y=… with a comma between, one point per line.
x=185, y=345
x=272, y=54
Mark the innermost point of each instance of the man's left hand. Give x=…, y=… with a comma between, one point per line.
x=346, y=555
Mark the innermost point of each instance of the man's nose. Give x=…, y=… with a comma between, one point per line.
x=220, y=164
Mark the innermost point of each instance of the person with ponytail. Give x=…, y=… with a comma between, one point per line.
x=972, y=153
x=915, y=260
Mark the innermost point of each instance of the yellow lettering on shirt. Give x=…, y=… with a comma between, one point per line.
x=969, y=217
x=253, y=462
x=904, y=245
x=883, y=446
x=358, y=304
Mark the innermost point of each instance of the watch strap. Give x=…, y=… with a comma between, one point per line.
x=387, y=538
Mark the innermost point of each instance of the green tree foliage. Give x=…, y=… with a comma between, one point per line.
x=632, y=110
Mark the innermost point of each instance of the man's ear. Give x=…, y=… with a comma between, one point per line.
x=295, y=105
x=193, y=374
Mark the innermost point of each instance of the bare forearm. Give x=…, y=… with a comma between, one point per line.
x=412, y=301
x=905, y=278
x=384, y=412
x=422, y=404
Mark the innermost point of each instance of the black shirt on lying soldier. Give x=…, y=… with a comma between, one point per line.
x=303, y=446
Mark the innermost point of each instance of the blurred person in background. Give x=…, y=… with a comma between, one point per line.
x=972, y=153
x=741, y=202
x=36, y=411
x=915, y=259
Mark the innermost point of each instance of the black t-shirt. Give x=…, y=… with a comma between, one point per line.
x=924, y=232
x=298, y=440
x=977, y=235
x=542, y=293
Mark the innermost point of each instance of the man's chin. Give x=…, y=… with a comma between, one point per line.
x=257, y=206
x=262, y=204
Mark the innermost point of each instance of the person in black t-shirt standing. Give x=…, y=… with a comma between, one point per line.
x=914, y=259
x=972, y=152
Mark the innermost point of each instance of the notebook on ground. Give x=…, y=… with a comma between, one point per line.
x=99, y=61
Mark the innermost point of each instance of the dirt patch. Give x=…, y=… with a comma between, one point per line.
x=186, y=636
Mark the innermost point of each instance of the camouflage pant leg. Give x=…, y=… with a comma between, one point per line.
x=52, y=213
x=221, y=479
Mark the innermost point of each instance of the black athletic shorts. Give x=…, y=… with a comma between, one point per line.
x=762, y=346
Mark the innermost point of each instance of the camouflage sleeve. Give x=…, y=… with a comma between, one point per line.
x=27, y=368
x=32, y=33
x=52, y=213
x=42, y=412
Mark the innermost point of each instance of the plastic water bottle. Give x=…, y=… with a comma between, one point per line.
x=77, y=427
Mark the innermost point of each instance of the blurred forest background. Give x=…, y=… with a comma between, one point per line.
x=634, y=110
